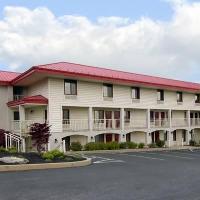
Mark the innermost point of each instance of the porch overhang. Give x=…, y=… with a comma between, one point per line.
x=36, y=100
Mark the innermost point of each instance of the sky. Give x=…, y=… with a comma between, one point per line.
x=157, y=37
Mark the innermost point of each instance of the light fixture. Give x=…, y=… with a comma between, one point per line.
x=56, y=141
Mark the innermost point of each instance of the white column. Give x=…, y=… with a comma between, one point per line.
x=188, y=118
x=48, y=146
x=169, y=138
x=148, y=119
x=21, y=117
x=23, y=145
x=6, y=141
x=90, y=120
x=188, y=137
x=148, y=138
x=170, y=117
x=64, y=146
x=122, y=118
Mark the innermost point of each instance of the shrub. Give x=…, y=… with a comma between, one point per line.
x=112, y=145
x=12, y=150
x=76, y=146
x=48, y=155
x=132, y=145
x=192, y=143
x=91, y=146
x=3, y=150
x=160, y=143
x=123, y=145
x=152, y=145
x=141, y=145
x=54, y=154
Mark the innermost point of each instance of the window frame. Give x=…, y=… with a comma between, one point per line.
x=160, y=95
x=70, y=82
x=198, y=98
x=66, y=119
x=179, y=100
x=107, y=85
x=97, y=118
x=136, y=91
x=127, y=118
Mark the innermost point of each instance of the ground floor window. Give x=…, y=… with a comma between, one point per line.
x=174, y=136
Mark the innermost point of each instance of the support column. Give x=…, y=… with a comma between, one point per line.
x=122, y=118
x=170, y=118
x=21, y=117
x=90, y=120
x=64, y=146
x=188, y=137
x=23, y=145
x=188, y=118
x=169, y=139
x=148, y=119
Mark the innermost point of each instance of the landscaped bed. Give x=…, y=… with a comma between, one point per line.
x=54, y=156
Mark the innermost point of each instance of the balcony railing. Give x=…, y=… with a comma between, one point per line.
x=17, y=97
x=75, y=125
x=159, y=123
x=23, y=126
x=136, y=123
x=179, y=122
x=195, y=121
x=106, y=124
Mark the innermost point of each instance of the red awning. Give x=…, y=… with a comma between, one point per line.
x=38, y=99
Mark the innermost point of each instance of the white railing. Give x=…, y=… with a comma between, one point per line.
x=179, y=122
x=195, y=121
x=75, y=125
x=135, y=123
x=17, y=97
x=19, y=127
x=159, y=123
x=106, y=124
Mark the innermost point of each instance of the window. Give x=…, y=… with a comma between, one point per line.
x=197, y=98
x=16, y=115
x=108, y=90
x=127, y=116
x=70, y=87
x=99, y=115
x=135, y=93
x=179, y=96
x=174, y=136
x=160, y=95
x=66, y=117
x=184, y=135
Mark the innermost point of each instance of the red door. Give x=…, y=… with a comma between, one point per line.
x=108, y=115
x=108, y=138
x=117, y=119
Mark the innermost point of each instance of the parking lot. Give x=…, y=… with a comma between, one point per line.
x=118, y=176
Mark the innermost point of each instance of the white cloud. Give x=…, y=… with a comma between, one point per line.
x=30, y=37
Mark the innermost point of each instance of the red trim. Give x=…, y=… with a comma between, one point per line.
x=28, y=100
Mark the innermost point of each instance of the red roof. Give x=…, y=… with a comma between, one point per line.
x=78, y=70
x=6, y=77
x=38, y=99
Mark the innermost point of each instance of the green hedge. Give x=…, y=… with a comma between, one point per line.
x=76, y=146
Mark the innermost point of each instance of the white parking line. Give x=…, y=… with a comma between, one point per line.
x=170, y=155
x=138, y=156
x=189, y=154
x=105, y=160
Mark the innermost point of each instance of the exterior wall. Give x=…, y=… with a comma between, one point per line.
x=40, y=88
x=138, y=137
x=6, y=114
x=79, y=138
x=196, y=135
x=35, y=113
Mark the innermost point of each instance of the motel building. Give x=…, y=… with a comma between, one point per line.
x=92, y=104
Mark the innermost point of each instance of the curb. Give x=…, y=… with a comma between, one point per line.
x=27, y=167
x=134, y=150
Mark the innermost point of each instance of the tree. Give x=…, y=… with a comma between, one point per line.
x=40, y=133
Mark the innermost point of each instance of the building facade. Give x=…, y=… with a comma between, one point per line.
x=90, y=104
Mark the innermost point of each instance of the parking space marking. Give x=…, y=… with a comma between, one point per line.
x=170, y=155
x=189, y=153
x=140, y=156
x=104, y=160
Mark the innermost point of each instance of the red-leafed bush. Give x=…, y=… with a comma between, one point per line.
x=40, y=135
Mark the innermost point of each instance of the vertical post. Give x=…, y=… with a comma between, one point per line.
x=188, y=137
x=23, y=145
x=90, y=120
x=48, y=146
x=169, y=138
x=6, y=141
x=122, y=118
x=21, y=117
x=148, y=119
x=170, y=118
x=10, y=141
x=64, y=146
x=188, y=119
x=18, y=149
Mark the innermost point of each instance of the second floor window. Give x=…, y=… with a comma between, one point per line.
x=127, y=116
x=108, y=90
x=135, y=93
x=66, y=117
x=197, y=98
x=99, y=116
x=160, y=95
x=179, y=96
x=70, y=87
